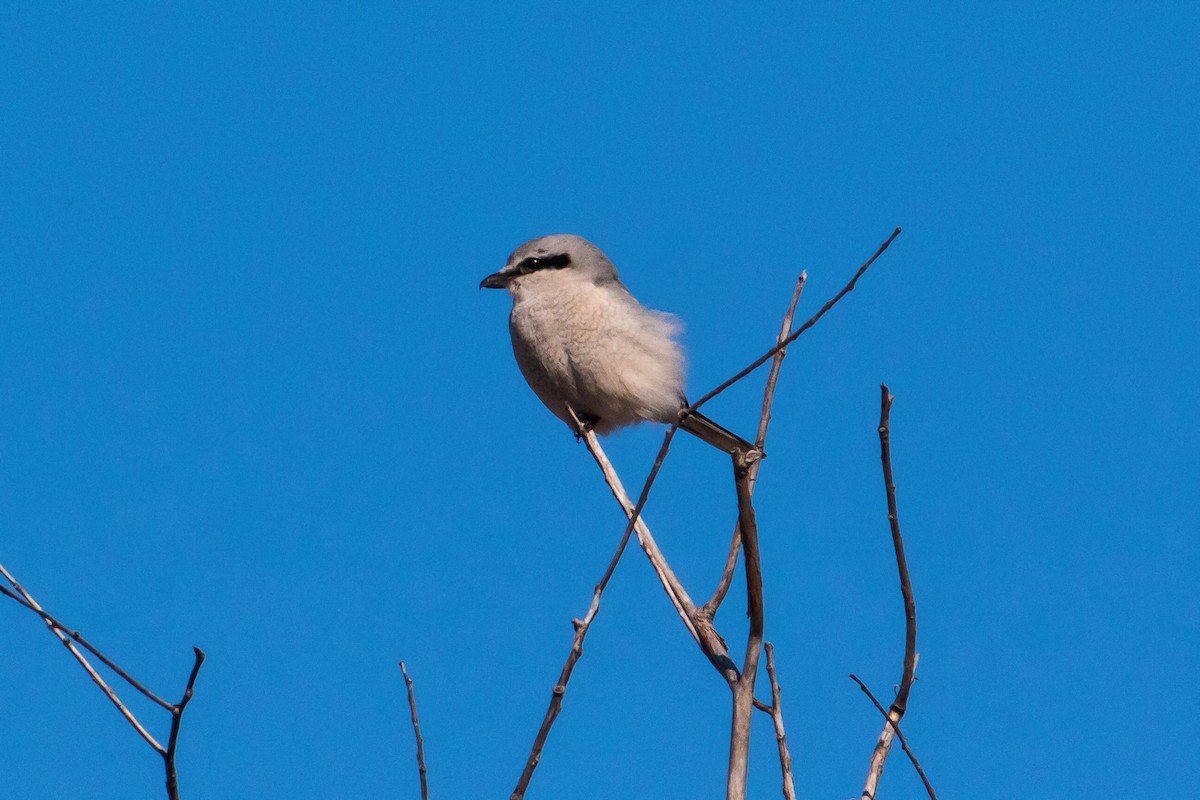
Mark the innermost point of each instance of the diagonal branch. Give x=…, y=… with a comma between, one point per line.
x=583, y=625
x=758, y=362
x=57, y=630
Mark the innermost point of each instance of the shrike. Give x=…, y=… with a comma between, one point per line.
x=581, y=338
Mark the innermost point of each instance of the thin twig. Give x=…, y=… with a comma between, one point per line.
x=57, y=630
x=785, y=758
x=758, y=362
x=743, y=694
x=899, y=734
x=176, y=722
x=412, y=706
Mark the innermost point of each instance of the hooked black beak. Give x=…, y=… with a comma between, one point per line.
x=497, y=280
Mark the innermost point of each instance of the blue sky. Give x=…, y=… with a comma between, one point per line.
x=253, y=400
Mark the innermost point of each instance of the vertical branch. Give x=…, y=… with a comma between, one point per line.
x=412, y=707
x=910, y=606
x=899, y=705
x=743, y=692
x=785, y=758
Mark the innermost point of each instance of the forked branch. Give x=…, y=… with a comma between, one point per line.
x=70, y=638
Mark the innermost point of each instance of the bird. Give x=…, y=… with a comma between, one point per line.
x=581, y=339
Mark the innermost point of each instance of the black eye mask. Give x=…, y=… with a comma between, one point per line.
x=534, y=263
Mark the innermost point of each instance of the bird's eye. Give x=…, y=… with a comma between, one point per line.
x=533, y=262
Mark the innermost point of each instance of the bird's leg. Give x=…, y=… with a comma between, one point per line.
x=588, y=421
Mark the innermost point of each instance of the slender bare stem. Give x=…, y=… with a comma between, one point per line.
x=785, y=758
x=412, y=707
x=910, y=605
x=67, y=641
x=899, y=705
x=743, y=693
x=899, y=735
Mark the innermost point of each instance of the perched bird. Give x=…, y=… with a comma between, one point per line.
x=581, y=338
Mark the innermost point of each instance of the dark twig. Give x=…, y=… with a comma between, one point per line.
x=666, y=445
x=412, y=706
x=785, y=758
x=899, y=735
x=176, y=721
x=910, y=605
x=899, y=705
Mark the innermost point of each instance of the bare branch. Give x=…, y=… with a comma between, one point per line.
x=57, y=630
x=892, y=725
x=412, y=705
x=785, y=758
x=743, y=693
x=910, y=605
x=899, y=705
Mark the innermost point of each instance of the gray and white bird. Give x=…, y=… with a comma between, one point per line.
x=581, y=338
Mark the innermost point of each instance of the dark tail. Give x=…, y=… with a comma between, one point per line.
x=704, y=428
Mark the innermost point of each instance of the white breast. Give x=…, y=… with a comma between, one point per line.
x=597, y=348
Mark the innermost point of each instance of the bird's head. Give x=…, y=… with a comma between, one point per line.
x=552, y=258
